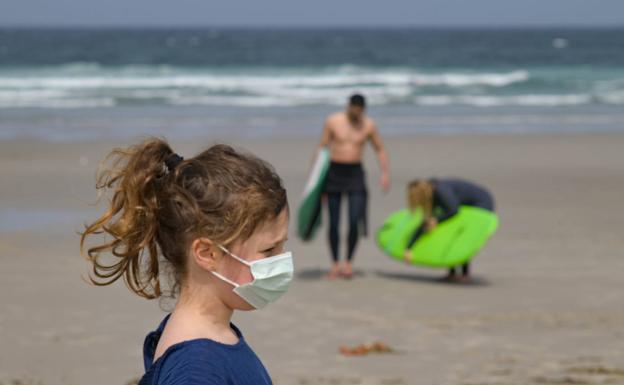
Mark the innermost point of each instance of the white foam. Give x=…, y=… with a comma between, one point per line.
x=59, y=103
x=86, y=84
x=221, y=82
x=614, y=97
x=463, y=80
x=495, y=101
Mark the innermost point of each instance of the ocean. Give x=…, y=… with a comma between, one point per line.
x=82, y=84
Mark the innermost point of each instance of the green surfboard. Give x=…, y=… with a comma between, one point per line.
x=453, y=242
x=309, y=214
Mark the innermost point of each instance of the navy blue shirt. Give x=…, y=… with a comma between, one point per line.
x=202, y=361
x=450, y=193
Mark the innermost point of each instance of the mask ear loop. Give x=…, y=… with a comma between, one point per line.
x=225, y=279
x=235, y=257
x=239, y=259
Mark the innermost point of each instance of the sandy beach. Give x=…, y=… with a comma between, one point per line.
x=547, y=305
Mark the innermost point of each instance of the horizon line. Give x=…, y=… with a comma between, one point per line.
x=314, y=27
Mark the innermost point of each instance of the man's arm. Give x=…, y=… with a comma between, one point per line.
x=325, y=136
x=384, y=164
x=325, y=140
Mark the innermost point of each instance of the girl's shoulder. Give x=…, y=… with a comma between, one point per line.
x=188, y=362
x=203, y=361
x=206, y=362
x=192, y=362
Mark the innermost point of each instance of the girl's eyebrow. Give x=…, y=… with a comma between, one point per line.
x=272, y=246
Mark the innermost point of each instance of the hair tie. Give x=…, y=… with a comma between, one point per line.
x=173, y=161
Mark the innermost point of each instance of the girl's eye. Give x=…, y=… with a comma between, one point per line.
x=268, y=251
x=274, y=250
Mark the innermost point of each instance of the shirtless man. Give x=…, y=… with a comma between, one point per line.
x=346, y=133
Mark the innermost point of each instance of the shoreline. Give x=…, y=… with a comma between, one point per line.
x=295, y=137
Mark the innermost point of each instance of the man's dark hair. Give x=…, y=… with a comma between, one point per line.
x=357, y=100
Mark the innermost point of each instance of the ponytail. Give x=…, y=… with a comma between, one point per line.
x=135, y=176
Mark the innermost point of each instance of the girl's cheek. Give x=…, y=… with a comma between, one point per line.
x=232, y=271
x=244, y=274
x=241, y=273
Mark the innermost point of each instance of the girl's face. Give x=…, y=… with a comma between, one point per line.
x=268, y=240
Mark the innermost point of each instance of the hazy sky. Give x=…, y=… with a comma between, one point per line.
x=311, y=12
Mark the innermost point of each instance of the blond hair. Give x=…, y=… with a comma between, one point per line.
x=420, y=195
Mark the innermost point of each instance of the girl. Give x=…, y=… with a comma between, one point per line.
x=218, y=223
x=440, y=200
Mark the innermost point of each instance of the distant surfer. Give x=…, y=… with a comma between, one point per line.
x=346, y=133
x=440, y=200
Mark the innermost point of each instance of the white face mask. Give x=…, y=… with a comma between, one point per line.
x=272, y=277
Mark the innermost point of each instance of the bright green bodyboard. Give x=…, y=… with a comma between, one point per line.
x=453, y=242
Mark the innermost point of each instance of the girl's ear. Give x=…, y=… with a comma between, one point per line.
x=205, y=253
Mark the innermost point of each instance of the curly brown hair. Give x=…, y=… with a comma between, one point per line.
x=222, y=194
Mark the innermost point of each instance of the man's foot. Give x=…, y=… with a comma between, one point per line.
x=334, y=272
x=347, y=270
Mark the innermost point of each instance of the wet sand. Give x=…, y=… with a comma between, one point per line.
x=547, y=305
